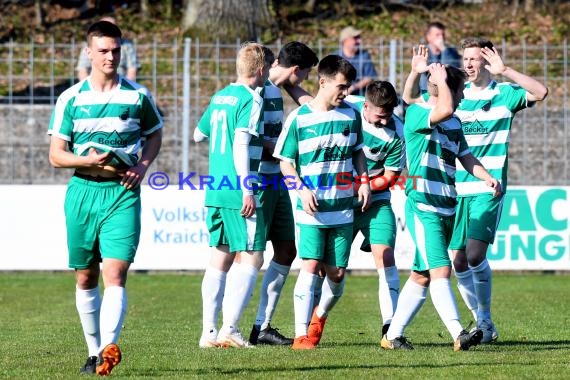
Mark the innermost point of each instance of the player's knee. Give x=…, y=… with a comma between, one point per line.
x=86, y=283
x=475, y=260
x=284, y=253
x=335, y=274
x=253, y=258
x=115, y=272
x=388, y=257
x=87, y=279
x=460, y=263
x=421, y=278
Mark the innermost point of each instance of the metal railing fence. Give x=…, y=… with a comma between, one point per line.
x=32, y=75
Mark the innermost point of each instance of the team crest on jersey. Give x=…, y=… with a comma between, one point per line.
x=125, y=114
x=375, y=153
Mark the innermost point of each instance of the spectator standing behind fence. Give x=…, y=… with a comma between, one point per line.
x=438, y=50
x=97, y=128
x=128, y=66
x=350, y=40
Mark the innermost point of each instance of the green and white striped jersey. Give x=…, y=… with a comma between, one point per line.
x=235, y=107
x=273, y=124
x=486, y=118
x=431, y=151
x=384, y=147
x=321, y=145
x=114, y=121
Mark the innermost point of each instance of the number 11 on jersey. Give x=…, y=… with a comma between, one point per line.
x=219, y=121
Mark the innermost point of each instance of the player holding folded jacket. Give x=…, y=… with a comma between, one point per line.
x=97, y=127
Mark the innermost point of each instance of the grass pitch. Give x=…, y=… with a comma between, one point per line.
x=40, y=334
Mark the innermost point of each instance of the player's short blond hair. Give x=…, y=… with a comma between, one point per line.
x=250, y=59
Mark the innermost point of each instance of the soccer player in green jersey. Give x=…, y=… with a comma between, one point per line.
x=234, y=125
x=486, y=115
x=386, y=157
x=97, y=127
x=321, y=140
x=434, y=140
x=293, y=65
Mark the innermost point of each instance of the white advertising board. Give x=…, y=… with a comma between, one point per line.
x=533, y=233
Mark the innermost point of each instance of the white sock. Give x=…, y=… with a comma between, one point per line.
x=113, y=309
x=332, y=291
x=411, y=299
x=482, y=280
x=213, y=285
x=239, y=289
x=444, y=302
x=303, y=301
x=388, y=291
x=318, y=291
x=467, y=290
x=88, y=303
x=271, y=287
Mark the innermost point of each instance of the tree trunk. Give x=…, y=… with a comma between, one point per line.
x=168, y=11
x=310, y=6
x=228, y=19
x=144, y=9
x=515, y=8
x=529, y=6
x=39, y=13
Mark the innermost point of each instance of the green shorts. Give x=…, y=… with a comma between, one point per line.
x=103, y=221
x=228, y=227
x=377, y=224
x=431, y=233
x=477, y=217
x=330, y=245
x=277, y=210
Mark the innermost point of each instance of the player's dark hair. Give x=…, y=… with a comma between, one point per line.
x=455, y=78
x=382, y=94
x=268, y=57
x=435, y=24
x=472, y=42
x=103, y=29
x=297, y=54
x=332, y=64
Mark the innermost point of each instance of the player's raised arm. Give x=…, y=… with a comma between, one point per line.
x=419, y=66
x=536, y=90
x=444, y=105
